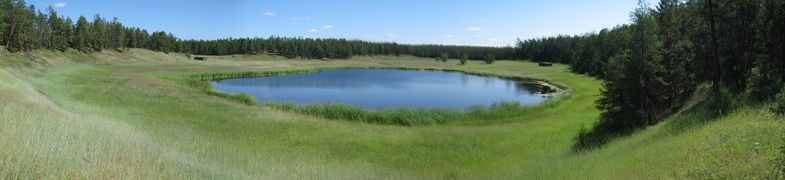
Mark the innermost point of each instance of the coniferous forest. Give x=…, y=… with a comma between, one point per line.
x=650, y=67
x=26, y=28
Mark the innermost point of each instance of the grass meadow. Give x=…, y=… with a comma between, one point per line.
x=122, y=115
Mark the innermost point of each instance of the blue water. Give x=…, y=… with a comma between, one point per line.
x=374, y=88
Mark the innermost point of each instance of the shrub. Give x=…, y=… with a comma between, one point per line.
x=489, y=58
x=444, y=56
x=464, y=58
x=722, y=102
x=779, y=103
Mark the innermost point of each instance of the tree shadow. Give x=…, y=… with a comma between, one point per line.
x=602, y=133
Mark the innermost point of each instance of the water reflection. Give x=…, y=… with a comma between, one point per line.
x=375, y=88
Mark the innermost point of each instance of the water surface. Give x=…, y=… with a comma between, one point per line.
x=375, y=88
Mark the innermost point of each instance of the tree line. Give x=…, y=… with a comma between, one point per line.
x=651, y=65
x=309, y=48
x=25, y=28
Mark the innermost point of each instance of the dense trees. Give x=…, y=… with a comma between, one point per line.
x=23, y=28
x=653, y=64
x=633, y=96
x=464, y=58
x=331, y=48
x=81, y=40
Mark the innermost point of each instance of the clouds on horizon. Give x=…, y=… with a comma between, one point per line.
x=60, y=4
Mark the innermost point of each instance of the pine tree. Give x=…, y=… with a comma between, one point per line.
x=5, y=9
x=489, y=58
x=99, y=37
x=677, y=53
x=82, y=39
x=19, y=25
x=59, y=34
x=116, y=35
x=632, y=98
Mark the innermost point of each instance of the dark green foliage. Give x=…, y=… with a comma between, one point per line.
x=61, y=31
x=309, y=48
x=676, y=54
x=779, y=103
x=116, y=33
x=489, y=58
x=81, y=39
x=652, y=65
x=23, y=28
x=722, y=101
x=444, y=56
x=463, y=59
x=98, y=33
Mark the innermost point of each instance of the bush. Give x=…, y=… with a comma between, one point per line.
x=444, y=56
x=779, y=103
x=464, y=58
x=489, y=58
x=722, y=102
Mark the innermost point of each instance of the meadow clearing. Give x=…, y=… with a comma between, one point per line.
x=128, y=115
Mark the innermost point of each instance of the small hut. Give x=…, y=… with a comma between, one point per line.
x=200, y=58
x=546, y=64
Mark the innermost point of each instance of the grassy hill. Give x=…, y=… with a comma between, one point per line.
x=114, y=115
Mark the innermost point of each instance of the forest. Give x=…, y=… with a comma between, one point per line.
x=650, y=66
x=25, y=28
x=654, y=64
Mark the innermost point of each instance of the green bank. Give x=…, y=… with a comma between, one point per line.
x=117, y=115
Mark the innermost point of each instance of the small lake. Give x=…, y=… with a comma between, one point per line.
x=376, y=88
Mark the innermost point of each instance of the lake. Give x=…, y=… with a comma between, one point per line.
x=377, y=88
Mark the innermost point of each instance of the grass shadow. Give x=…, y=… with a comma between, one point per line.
x=690, y=118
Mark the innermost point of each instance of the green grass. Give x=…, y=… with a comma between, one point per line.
x=103, y=118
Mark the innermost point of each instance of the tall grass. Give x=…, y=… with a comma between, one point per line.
x=201, y=81
x=406, y=116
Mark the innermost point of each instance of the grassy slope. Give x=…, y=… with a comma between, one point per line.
x=114, y=119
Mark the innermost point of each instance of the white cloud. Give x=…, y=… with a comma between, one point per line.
x=269, y=13
x=392, y=36
x=474, y=29
x=60, y=4
x=371, y=36
x=301, y=18
x=449, y=36
x=495, y=40
x=327, y=27
x=313, y=30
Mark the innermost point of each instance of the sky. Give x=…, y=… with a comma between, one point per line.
x=454, y=22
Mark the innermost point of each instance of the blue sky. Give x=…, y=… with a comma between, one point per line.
x=465, y=22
